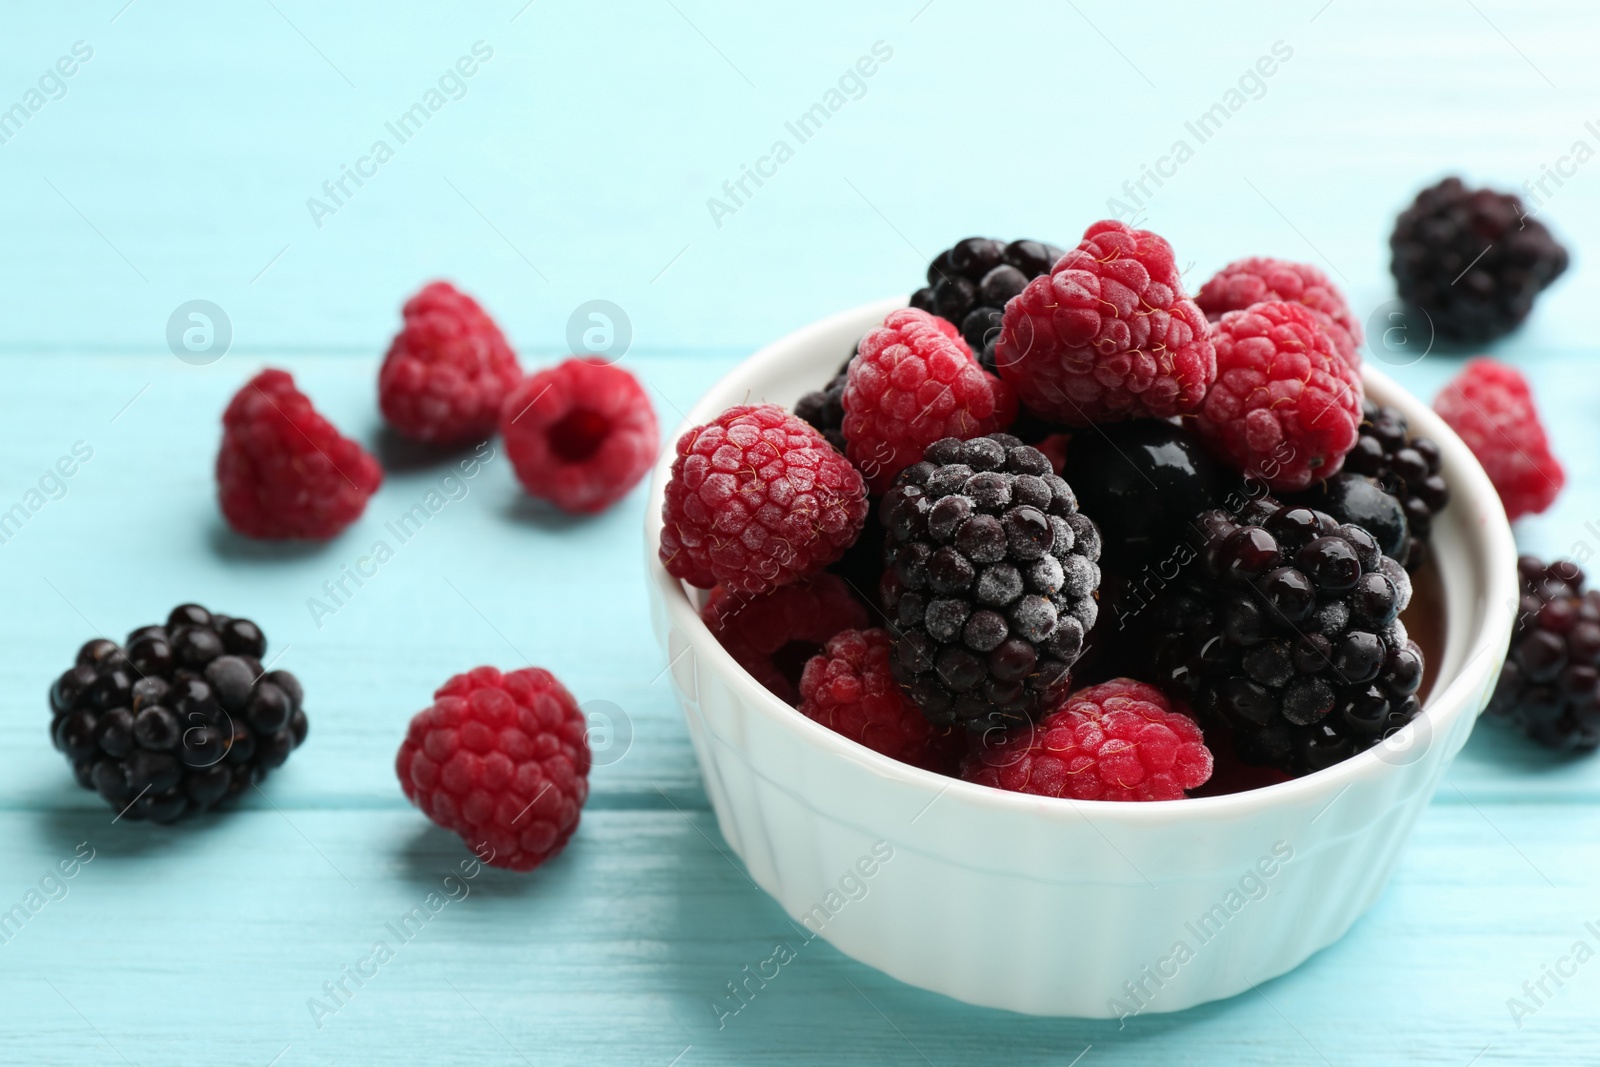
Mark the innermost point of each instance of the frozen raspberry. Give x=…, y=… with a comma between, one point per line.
x=850, y=689
x=580, y=435
x=1491, y=407
x=1120, y=740
x=1108, y=335
x=1285, y=407
x=773, y=635
x=1251, y=281
x=757, y=499
x=502, y=760
x=284, y=471
x=913, y=382
x=447, y=371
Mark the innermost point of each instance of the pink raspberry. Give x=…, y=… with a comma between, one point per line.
x=1109, y=334
x=850, y=689
x=1259, y=278
x=580, y=434
x=1285, y=407
x=284, y=471
x=1121, y=740
x=913, y=382
x=773, y=635
x=1491, y=407
x=758, y=499
x=447, y=371
x=503, y=761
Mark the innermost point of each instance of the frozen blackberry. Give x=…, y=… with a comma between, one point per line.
x=970, y=282
x=1472, y=259
x=1360, y=501
x=1286, y=635
x=1142, y=481
x=824, y=408
x=1405, y=467
x=1550, y=684
x=180, y=719
x=990, y=581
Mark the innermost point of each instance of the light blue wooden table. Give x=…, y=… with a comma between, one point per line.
x=575, y=163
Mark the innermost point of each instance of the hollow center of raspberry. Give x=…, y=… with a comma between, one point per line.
x=578, y=436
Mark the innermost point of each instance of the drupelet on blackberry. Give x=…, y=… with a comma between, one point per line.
x=1473, y=259
x=1285, y=634
x=1405, y=467
x=970, y=282
x=990, y=581
x=1550, y=683
x=179, y=720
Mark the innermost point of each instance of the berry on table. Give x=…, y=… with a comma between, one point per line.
x=1491, y=407
x=1472, y=259
x=850, y=688
x=1286, y=635
x=501, y=760
x=990, y=580
x=1549, y=686
x=580, y=434
x=970, y=283
x=1285, y=406
x=447, y=370
x=910, y=384
x=1251, y=281
x=286, y=472
x=1120, y=740
x=180, y=719
x=757, y=499
x=1109, y=334
x=773, y=634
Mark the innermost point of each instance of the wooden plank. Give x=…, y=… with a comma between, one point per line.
x=204, y=946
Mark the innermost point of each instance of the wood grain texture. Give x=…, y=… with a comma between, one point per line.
x=577, y=165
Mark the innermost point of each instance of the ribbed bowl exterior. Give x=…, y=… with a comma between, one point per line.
x=1055, y=907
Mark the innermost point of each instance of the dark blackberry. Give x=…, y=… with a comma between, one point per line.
x=970, y=282
x=1143, y=481
x=1285, y=634
x=1550, y=683
x=862, y=564
x=824, y=408
x=180, y=720
x=1405, y=467
x=1472, y=259
x=1359, y=500
x=990, y=583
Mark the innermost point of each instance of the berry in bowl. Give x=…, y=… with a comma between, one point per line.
x=1156, y=629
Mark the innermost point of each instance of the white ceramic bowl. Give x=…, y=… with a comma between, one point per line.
x=1059, y=907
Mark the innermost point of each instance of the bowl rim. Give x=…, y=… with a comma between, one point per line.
x=1444, y=705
